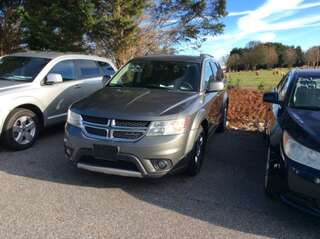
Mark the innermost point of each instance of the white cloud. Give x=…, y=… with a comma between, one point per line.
x=234, y=14
x=290, y=7
x=272, y=16
x=262, y=24
x=266, y=37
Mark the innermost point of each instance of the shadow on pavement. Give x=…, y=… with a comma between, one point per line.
x=227, y=193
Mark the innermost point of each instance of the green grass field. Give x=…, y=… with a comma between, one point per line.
x=264, y=81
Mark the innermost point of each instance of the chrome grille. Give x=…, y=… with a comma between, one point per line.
x=114, y=129
x=131, y=123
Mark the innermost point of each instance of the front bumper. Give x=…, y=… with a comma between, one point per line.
x=303, y=187
x=134, y=159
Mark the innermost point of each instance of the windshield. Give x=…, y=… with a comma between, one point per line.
x=179, y=76
x=16, y=68
x=307, y=93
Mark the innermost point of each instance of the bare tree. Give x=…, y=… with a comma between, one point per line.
x=312, y=56
x=233, y=61
x=271, y=56
x=290, y=57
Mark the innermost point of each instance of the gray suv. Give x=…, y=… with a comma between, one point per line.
x=153, y=118
x=37, y=88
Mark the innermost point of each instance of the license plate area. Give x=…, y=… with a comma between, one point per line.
x=105, y=152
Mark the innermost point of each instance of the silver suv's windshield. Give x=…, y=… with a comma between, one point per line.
x=16, y=68
x=307, y=93
x=179, y=76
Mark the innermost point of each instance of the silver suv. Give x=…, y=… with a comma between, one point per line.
x=153, y=117
x=36, y=90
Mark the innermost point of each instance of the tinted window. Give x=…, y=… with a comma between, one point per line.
x=21, y=68
x=66, y=69
x=207, y=74
x=181, y=76
x=307, y=93
x=106, y=68
x=88, y=69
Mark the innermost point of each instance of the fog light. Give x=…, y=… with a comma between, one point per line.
x=161, y=164
x=68, y=151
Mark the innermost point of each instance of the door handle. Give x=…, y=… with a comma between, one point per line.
x=77, y=86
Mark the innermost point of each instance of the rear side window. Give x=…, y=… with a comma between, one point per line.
x=88, y=69
x=106, y=68
x=65, y=68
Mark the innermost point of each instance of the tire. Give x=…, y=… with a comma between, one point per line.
x=270, y=179
x=223, y=124
x=21, y=129
x=196, y=156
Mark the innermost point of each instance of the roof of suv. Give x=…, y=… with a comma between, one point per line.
x=51, y=55
x=307, y=71
x=177, y=58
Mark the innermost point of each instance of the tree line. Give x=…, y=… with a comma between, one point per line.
x=257, y=55
x=117, y=29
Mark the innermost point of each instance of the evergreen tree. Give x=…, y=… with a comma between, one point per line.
x=58, y=25
x=10, y=29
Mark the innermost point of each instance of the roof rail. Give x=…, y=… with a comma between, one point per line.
x=206, y=55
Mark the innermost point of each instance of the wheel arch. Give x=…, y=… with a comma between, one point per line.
x=35, y=109
x=32, y=107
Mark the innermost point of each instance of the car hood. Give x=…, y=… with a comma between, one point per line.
x=134, y=103
x=11, y=85
x=305, y=126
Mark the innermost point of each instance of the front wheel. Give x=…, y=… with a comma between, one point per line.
x=197, y=155
x=270, y=185
x=223, y=123
x=21, y=129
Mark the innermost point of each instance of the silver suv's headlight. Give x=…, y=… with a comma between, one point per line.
x=170, y=127
x=299, y=153
x=74, y=118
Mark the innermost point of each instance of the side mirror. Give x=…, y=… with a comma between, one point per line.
x=215, y=86
x=53, y=78
x=271, y=97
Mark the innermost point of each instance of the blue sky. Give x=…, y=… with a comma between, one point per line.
x=292, y=22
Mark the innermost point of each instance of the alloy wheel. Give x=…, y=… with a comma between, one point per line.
x=24, y=130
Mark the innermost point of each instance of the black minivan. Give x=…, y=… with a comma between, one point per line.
x=293, y=141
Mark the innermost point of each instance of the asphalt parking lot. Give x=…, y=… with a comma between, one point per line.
x=44, y=196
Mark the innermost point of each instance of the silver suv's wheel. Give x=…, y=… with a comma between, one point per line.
x=21, y=129
x=223, y=123
x=197, y=155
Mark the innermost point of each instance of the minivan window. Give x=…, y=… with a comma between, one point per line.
x=88, y=69
x=16, y=68
x=106, y=68
x=169, y=75
x=66, y=69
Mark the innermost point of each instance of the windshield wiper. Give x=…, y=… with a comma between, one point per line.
x=117, y=85
x=4, y=78
x=156, y=87
x=307, y=107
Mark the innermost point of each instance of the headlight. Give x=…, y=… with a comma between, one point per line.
x=74, y=118
x=171, y=127
x=299, y=153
